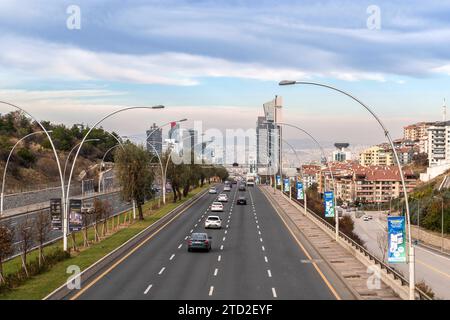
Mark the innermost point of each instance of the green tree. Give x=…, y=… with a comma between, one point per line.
x=135, y=174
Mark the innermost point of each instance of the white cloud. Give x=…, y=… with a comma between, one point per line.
x=58, y=61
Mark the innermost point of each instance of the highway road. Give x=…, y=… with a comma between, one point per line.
x=431, y=267
x=253, y=257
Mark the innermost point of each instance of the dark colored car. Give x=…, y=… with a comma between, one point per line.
x=199, y=241
x=241, y=200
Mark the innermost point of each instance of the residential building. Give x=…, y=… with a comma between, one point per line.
x=154, y=139
x=439, y=144
x=376, y=156
x=416, y=131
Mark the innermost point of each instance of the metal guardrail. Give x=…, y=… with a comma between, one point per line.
x=397, y=276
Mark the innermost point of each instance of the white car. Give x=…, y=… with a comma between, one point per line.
x=212, y=190
x=366, y=218
x=227, y=188
x=222, y=197
x=213, y=222
x=216, y=207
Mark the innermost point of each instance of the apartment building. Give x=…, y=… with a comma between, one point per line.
x=416, y=131
x=439, y=143
x=376, y=156
x=370, y=184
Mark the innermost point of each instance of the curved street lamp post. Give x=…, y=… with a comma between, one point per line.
x=388, y=136
x=7, y=162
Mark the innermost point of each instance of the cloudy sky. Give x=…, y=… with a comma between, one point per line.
x=218, y=61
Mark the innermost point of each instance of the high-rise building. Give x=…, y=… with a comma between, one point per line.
x=154, y=139
x=174, y=132
x=438, y=143
x=268, y=138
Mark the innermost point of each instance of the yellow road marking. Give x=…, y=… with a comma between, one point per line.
x=79, y=293
x=433, y=268
x=333, y=291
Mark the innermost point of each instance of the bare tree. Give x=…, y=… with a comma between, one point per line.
x=26, y=239
x=98, y=214
x=382, y=242
x=6, y=247
x=43, y=225
x=107, y=212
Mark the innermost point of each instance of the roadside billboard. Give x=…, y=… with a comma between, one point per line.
x=56, y=214
x=329, y=204
x=396, y=240
x=300, y=195
x=75, y=215
x=278, y=181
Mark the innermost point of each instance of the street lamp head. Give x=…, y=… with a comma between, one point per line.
x=286, y=82
x=182, y=120
x=158, y=107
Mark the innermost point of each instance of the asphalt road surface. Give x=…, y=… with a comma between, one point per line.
x=253, y=257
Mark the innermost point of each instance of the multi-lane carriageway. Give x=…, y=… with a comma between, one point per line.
x=254, y=256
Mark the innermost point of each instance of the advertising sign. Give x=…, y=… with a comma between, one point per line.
x=75, y=215
x=300, y=191
x=286, y=184
x=278, y=181
x=56, y=214
x=329, y=204
x=396, y=240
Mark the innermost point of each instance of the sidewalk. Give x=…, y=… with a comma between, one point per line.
x=353, y=272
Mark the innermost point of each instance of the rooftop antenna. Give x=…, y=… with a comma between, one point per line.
x=444, y=111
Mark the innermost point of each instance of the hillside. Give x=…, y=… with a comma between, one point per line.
x=33, y=164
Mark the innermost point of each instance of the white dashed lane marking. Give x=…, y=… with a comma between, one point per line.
x=219, y=258
x=274, y=292
x=148, y=289
x=180, y=246
x=172, y=256
x=269, y=273
x=221, y=247
x=162, y=270
x=215, y=272
x=211, y=290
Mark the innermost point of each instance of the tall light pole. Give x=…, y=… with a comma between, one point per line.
x=65, y=215
x=7, y=162
x=388, y=136
x=70, y=153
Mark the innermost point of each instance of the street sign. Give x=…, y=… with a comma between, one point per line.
x=300, y=195
x=329, y=204
x=75, y=215
x=396, y=240
x=56, y=214
x=286, y=184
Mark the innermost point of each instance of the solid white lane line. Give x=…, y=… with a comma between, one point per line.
x=211, y=290
x=269, y=273
x=148, y=289
x=221, y=247
x=265, y=258
x=172, y=256
x=162, y=270
x=215, y=272
x=274, y=293
x=219, y=258
x=180, y=246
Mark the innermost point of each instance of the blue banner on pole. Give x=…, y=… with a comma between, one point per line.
x=329, y=204
x=396, y=240
x=278, y=181
x=300, y=191
x=286, y=184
